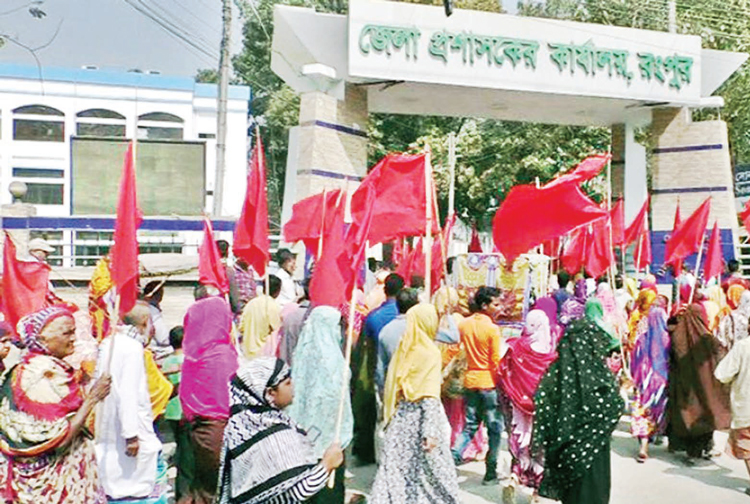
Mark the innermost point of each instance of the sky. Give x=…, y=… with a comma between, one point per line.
x=112, y=34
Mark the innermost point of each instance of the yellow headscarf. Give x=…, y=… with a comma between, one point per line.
x=734, y=293
x=260, y=318
x=159, y=388
x=415, y=371
x=642, y=305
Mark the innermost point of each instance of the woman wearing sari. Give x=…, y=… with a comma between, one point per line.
x=638, y=321
x=210, y=361
x=416, y=465
x=47, y=453
x=649, y=368
x=613, y=315
x=734, y=326
x=523, y=365
x=548, y=305
x=266, y=457
x=574, y=308
x=318, y=376
x=577, y=409
x=698, y=404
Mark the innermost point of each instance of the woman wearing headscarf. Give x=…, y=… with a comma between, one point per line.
x=613, y=315
x=416, y=463
x=715, y=304
x=44, y=444
x=210, y=361
x=319, y=374
x=521, y=369
x=649, y=368
x=577, y=409
x=638, y=321
x=698, y=404
x=574, y=308
x=734, y=327
x=548, y=305
x=267, y=457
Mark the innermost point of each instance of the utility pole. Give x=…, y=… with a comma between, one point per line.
x=452, y=173
x=221, y=109
x=672, y=5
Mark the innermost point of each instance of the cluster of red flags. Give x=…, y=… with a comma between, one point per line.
x=310, y=216
x=687, y=238
x=390, y=203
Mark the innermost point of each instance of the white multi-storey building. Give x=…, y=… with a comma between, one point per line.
x=64, y=132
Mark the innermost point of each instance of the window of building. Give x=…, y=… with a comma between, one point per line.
x=38, y=173
x=38, y=123
x=100, y=123
x=44, y=194
x=160, y=126
x=90, y=246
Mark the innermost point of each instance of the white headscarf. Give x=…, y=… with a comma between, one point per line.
x=537, y=328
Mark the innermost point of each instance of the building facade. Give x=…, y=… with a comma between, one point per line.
x=64, y=133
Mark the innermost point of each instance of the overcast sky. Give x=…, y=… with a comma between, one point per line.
x=112, y=34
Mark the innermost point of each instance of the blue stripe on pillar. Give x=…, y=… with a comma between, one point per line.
x=688, y=148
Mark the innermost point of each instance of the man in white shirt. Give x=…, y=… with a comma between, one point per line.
x=127, y=448
x=287, y=262
x=734, y=369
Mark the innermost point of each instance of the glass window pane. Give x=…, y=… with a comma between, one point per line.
x=160, y=116
x=44, y=194
x=38, y=110
x=100, y=130
x=152, y=133
x=101, y=113
x=38, y=131
x=38, y=173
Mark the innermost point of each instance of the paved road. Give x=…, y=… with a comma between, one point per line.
x=663, y=479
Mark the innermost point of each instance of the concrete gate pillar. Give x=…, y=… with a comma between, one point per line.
x=328, y=150
x=691, y=162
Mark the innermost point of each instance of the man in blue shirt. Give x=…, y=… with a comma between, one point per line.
x=363, y=372
x=391, y=334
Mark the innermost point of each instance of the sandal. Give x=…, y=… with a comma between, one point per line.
x=641, y=458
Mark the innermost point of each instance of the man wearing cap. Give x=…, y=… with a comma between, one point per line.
x=287, y=261
x=39, y=249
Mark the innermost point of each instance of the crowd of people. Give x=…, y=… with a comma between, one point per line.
x=257, y=393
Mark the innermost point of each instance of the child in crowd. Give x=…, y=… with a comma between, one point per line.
x=172, y=369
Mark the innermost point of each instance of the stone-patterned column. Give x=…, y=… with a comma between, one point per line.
x=332, y=143
x=691, y=162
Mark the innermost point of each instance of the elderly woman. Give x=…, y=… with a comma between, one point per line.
x=416, y=463
x=44, y=445
x=267, y=457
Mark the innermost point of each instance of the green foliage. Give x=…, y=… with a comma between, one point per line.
x=207, y=76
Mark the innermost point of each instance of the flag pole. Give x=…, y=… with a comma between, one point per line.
x=638, y=256
x=344, y=388
x=322, y=224
x=697, y=268
x=428, y=226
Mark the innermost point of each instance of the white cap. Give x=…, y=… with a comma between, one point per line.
x=40, y=244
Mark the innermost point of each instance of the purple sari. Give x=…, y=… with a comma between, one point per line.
x=549, y=306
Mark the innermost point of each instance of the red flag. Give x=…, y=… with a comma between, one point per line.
x=531, y=215
x=251, y=234
x=745, y=215
x=24, y=285
x=332, y=271
x=639, y=224
x=599, y=250
x=395, y=188
x=714, y=260
x=677, y=263
x=687, y=239
x=645, y=251
x=475, y=246
x=617, y=217
x=210, y=269
x=586, y=170
x=308, y=216
x=575, y=250
x=124, y=252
